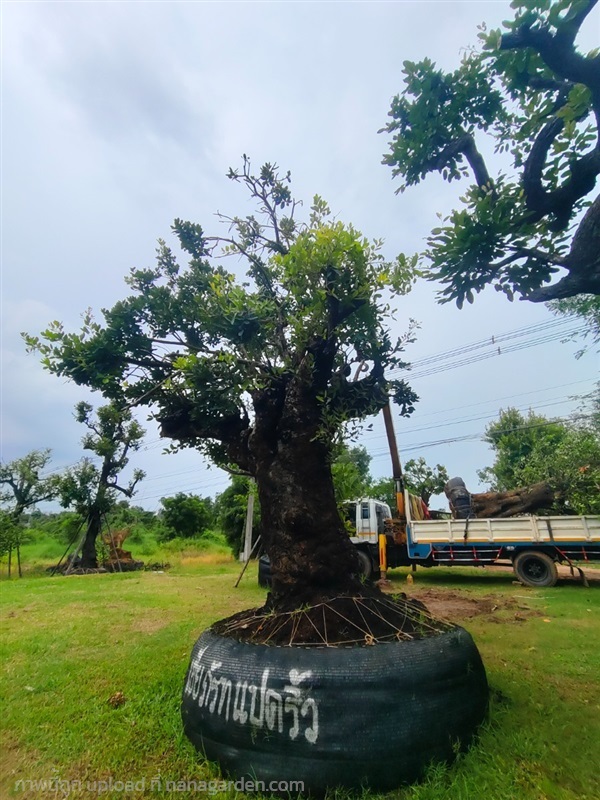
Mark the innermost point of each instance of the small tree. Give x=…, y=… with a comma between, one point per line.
x=424, y=480
x=90, y=488
x=537, y=100
x=185, y=515
x=23, y=488
x=255, y=373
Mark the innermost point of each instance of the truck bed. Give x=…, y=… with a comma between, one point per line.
x=507, y=531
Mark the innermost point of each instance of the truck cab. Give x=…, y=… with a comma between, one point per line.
x=366, y=517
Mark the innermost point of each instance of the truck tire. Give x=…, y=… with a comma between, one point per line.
x=534, y=568
x=366, y=565
x=356, y=716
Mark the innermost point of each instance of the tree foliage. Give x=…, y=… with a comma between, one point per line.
x=185, y=515
x=531, y=448
x=23, y=485
x=22, y=488
x=535, y=98
x=423, y=480
x=204, y=348
x=351, y=476
x=255, y=372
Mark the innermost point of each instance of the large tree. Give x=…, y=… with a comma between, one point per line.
x=535, y=98
x=22, y=487
x=92, y=486
x=532, y=449
x=257, y=372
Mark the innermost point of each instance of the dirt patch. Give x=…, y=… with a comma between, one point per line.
x=149, y=625
x=455, y=606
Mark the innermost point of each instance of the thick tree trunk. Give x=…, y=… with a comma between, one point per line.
x=509, y=504
x=89, y=559
x=311, y=555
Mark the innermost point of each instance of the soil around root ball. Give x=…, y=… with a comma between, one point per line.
x=342, y=621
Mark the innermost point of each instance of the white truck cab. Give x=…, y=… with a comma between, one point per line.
x=367, y=516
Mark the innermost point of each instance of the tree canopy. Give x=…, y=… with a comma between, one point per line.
x=202, y=346
x=21, y=487
x=423, y=480
x=532, y=96
x=531, y=448
x=259, y=372
x=22, y=483
x=185, y=515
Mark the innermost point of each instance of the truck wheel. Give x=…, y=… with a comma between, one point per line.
x=366, y=566
x=535, y=569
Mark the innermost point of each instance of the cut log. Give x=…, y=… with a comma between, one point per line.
x=526, y=500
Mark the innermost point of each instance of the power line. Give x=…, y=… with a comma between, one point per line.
x=498, y=351
x=481, y=436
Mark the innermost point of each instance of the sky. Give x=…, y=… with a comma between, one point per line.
x=118, y=117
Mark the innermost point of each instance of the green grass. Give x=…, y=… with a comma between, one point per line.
x=69, y=644
x=43, y=551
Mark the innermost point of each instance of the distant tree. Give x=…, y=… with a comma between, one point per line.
x=92, y=488
x=536, y=98
x=383, y=489
x=514, y=437
x=10, y=533
x=185, y=515
x=124, y=515
x=420, y=479
x=22, y=488
x=424, y=480
x=531, y=448
x=350, y=470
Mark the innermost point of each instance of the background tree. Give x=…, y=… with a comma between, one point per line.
x=423, y=480
x=255, y=373
x=531, y=449
x=420, y=479
x=186, y=515
x=536, y=98
x=92, y=489
x=350, y=469
x=22, y=488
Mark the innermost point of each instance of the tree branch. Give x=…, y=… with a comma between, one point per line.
x=465, y=145
x=557, y=52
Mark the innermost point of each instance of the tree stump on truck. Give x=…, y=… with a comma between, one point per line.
x=525, y=500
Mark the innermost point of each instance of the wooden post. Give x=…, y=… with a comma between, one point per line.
x=247, y=551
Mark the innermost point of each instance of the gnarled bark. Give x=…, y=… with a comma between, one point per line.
x=510, y=504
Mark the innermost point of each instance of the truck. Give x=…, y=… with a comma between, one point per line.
x=531, y=544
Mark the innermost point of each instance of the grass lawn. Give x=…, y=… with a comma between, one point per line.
x=71, y=644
